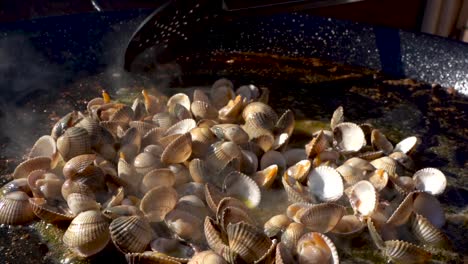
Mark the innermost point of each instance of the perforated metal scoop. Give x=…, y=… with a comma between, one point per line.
x=167, y=30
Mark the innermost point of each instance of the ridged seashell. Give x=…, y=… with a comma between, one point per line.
x=348, y=225
x=351, y=174
x=317, y=217
x=427, y=233
x=247, y=241
x=94, y=130
x=202, y=138
x=386, y=163
x=158, y=202
x=370, y=155
x=154, y=150
x=45, y=146
x=430, y=180
x=178, y=150
x=295, y=191
x=215, y=240
x=181, y=112
x=241, y=186
x=149, y=258
x=265, y=178
x=403, y=212
x=221, y=92
x=276, y=224
x=294, y=155
x=374, y=234
x=379, y=178
x=349, y=137
x=185, y=225
x=230, y=113
x=179, y=98
x=138, y=108
x=207, y=257
x=127, y=175
x=380, y=142
x=116, y=199
x=200, y=95
x=292, y=234
x=157, y=177
x=406, y=145
x=114, y=127
x=120, y=113
x=29, y=165
x=194, y=205
x=231, y=132
x=285, y=123
x=49, y=213
x=153, y=136
x=403, y=184
x=130, y=143
x=232, y=203
x=202, y=110
x=363, y=198
x=75, y=141
x=77, y=164
x=261, y=114
x=199, y=172
x=164, y=120
x=232, y=215
x=15, y=209
x=404, y=252
x=172, y=248
x=316, y=248
x=428, y=206
x=300, y=170
x=181, y=127
x=220, y=154
x=325, y=183
x=146, y=162
x=213, y=196
x=326, y=157
x=87, y=234
x=78, y=203
x=318, y=144
x=131, y=233
x=142, y=127
x=337, y=117
x=249, y=162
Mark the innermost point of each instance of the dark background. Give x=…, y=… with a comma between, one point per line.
x=402, y=14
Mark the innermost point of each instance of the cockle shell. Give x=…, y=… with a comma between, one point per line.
x=276, y=224
x=349, y=137
x=406, y=145
x=325, y=183
x=349, y=225
x=404, y=252
x=247, y=241
x=179, y=150
x=430, y=180
x=221, y=92
x=207, y=257
x=363, y=198
x=78, y=203
x=185, y=225
x=77, y=164
x=15, y=209
x=242, y=187
x=380, y=142
x=49, y=213
x=146, y=162
x=337, y=117
x=173, y=249
x=87, y=234
x=317, y=217
x=300, y=170
x=149, y=258
x=181, y=127
x=75, y=141
x=292, y=233
x=427, y=233
x=316, y=248
x=45, y=146
x=157, y=177
x=29, y=165
x=158, y=202
x=131, y=233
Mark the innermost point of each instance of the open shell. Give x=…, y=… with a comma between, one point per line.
x=276, y=224
x=27, y=166
x=48, y=213
x=75, y=141
x=404, y=252
x=241, y=186
x=349, y=137
x=380, y=142
x=292, y=234
x=185, y=225
x=45, y=146
x=247, y=241
x=207, y=257
x=325, y=183
x=179, y=150
x=349, y=225
x=407, y=144
x=363, y=198
x=317, y=217
x=430, y=180
x=427, y=233
x=316, y=248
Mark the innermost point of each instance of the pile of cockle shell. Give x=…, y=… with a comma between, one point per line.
x=177, y=180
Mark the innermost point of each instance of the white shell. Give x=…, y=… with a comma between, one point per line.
x=430, y=180
x=406, y=145
x=325, y=183
x=349, y=136
x=363, y=198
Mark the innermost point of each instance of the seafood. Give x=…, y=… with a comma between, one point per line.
x=195, y=178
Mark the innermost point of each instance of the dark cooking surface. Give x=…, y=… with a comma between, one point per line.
x=40, y=59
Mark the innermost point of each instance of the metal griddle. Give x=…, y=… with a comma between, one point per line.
x=65, y=54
